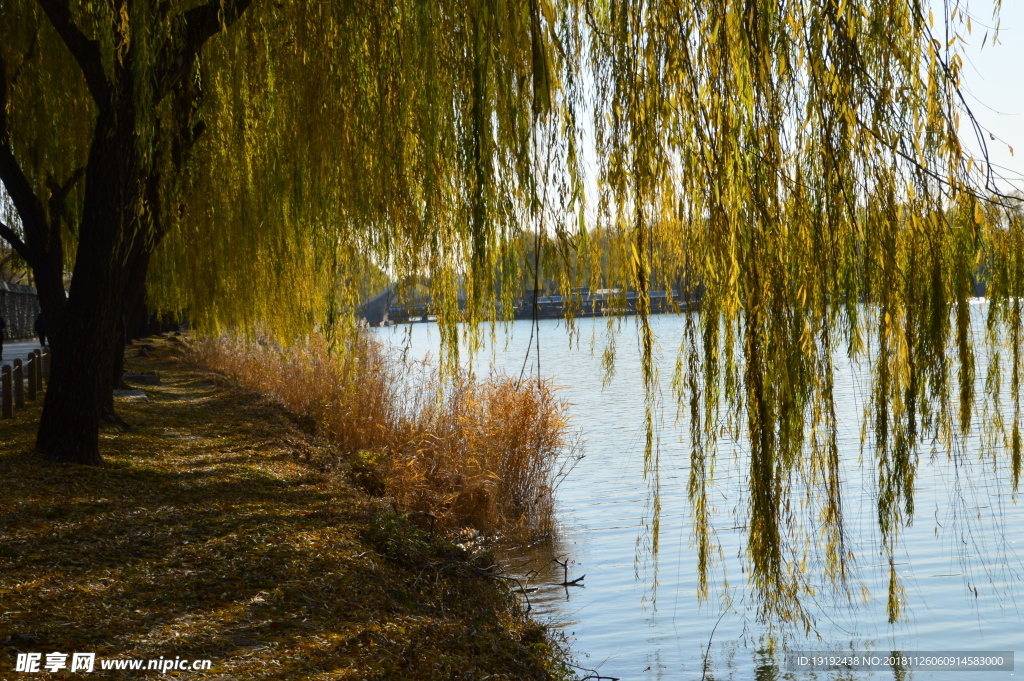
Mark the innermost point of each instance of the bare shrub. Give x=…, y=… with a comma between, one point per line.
x=484, y=453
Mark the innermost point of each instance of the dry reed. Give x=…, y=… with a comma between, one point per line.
x=484, y=453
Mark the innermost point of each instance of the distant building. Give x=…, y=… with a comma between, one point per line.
x=19, y=306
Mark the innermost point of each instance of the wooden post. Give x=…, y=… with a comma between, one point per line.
x=46, y=364
x=8, y=397
x=39, y=369
x=17, y=375
x=30, y=368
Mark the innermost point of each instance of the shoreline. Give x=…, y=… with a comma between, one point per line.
x=220, y=529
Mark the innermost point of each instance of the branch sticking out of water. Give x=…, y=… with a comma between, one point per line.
x=565, y=580
x=592, y=674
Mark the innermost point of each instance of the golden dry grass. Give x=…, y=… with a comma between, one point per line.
x=217, y=530
x=481, y=453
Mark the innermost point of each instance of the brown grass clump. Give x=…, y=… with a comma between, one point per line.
x=463, y=452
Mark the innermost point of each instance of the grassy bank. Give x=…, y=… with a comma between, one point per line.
x=221, y=529
x=480, y=452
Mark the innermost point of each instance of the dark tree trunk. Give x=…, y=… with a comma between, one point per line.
x=51, y=305
x=134, y=290
x=135, y=299
x=42, y=248
x=82, y=357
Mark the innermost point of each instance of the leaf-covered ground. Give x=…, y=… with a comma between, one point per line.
x=219, y=529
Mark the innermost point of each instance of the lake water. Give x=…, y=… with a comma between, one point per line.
x=959, y=560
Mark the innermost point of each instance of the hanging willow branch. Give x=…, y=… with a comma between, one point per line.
x=797, y=164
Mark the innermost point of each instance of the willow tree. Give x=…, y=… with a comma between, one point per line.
x=797, y=163
x=82, y=98
x=334, y=131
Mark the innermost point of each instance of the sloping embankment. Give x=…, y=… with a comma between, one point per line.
x=218, y=530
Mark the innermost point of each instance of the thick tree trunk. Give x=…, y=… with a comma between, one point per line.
x=134, y=291
x=135, y=299
x=82, y=358
x=51, y=305
x=69, y=427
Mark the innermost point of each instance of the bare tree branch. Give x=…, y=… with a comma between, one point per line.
x=28, y=55
x=86, y=52
x=11, y=237
x=59, y=193
x=194, y=28
x=28, y=205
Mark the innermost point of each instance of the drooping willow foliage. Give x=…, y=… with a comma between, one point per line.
x=793, y=169
x=797, y=166
x=400, y=136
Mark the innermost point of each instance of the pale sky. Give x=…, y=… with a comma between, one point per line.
x=993, y=79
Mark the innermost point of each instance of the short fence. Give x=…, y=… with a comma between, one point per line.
x=23, y=381
x=19, y=306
